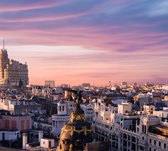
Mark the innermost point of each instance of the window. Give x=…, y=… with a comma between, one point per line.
x=137, y=129
x=159, y=144
x=154, y=142
x=125, y=136
x=133, y=139
x=141, y=148
x=144, y=128
x=49, y=144
x=133, y=147
x=128, y=143
x=164, y=145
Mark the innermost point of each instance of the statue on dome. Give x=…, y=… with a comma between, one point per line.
x=77, y=132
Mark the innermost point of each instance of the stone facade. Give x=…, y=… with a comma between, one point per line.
x=11, y=71
x=128, y=132
x=15, y=122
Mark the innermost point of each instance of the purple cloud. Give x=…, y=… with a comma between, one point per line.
x=128, y=33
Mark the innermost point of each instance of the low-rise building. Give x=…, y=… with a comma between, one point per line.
x=129, y=132
x=47, y=143
x=15, y=122
x=17, y=107
x=9, y=135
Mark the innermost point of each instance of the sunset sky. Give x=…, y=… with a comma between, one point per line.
x=96, y=41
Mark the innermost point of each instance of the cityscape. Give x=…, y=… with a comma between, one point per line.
x=83, y=75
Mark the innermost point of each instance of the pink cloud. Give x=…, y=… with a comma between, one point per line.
x=22, y=7
x=125, y=44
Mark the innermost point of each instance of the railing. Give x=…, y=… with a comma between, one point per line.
x=128, y=131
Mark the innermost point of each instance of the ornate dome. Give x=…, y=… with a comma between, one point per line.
x=76, y=132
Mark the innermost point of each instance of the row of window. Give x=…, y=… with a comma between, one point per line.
x=156, y=143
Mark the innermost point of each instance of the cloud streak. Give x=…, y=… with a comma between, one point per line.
x=122, y=35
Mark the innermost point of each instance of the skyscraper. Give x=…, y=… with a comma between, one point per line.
x=12, y=72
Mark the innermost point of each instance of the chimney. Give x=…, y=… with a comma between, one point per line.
x=24, y=140
x=40, y=136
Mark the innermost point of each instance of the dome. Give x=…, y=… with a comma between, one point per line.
x=76, y=132
x=61, y=102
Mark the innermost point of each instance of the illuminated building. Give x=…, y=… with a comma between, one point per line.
x=12, y=72
x=76, y=133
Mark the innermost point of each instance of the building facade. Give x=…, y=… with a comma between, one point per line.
x=125, y=131
x=50, y=83
x=59, y=119
x=12, y=72
x=12, y=122
x=17, y=107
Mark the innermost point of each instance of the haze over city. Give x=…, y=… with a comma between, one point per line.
x=76, y=41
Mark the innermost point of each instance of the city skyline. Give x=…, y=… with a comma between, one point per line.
x=88, y=41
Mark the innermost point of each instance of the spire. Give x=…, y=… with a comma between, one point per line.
x=3, y=44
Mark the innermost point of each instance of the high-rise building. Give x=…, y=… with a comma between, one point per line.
x=50, y=83
x=12, y=72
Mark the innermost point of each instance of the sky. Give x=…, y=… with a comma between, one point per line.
x=96, y=41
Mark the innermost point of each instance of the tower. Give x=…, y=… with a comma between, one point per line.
x=4, y=60
x=62, y=108
x=12, y=71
